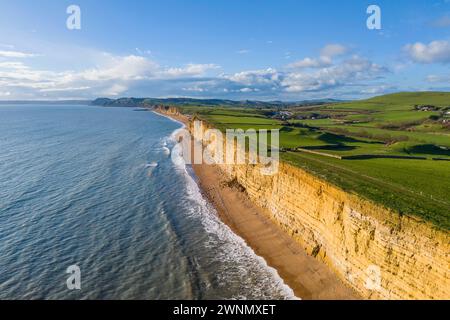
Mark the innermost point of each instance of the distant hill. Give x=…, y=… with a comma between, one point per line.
x=430, y=97
x=399, y=101
x=151, y=102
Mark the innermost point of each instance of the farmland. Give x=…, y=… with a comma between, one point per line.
x=364, y=134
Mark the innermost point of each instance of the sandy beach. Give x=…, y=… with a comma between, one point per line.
x=309, y=278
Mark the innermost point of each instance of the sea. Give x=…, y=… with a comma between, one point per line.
x=104, y=190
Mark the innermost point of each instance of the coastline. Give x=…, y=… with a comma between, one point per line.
x=309, y=278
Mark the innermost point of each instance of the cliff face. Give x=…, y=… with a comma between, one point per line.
x=378, y=252
x=167, y=110
x=381, y=254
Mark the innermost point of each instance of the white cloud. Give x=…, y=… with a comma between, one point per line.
x=249, y=90
x=243, y=51
x=195, y=89
x=434, y=52
x=348, y=73
x=143, y=52
x=114, y=90
x=333, y=50
x=13, y=65
x=438, y=78
x=325, y=59
x=255, y=77
x=22, y=78
x=121, y=68
x=189, y=70
x=323, y=73
x=16, y=54
x=311, y=63
x=111, y=75
x=105, y=74
x=64, y=89
x=378, y=89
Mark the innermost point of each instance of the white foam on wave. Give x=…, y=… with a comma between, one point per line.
x=233, y=248
x=151, y=165
x=162, y=147
x=166, y=151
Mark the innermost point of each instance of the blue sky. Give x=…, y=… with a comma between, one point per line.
x=235, y=49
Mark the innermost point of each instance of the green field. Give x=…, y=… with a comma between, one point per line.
x=403, y=124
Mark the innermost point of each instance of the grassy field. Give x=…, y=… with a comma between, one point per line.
x=404, y=124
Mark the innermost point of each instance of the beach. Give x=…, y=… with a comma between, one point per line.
x=309, y=278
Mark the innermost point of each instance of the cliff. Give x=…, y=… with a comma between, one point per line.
x=378, y=252
x=356, y=238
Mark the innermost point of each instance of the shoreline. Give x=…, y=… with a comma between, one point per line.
x=309, y=278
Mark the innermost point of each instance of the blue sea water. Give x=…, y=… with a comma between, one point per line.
x=96, y=187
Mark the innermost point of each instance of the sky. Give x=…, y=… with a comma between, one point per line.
x=231, y=49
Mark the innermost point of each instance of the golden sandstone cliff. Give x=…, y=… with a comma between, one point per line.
x=378, y=252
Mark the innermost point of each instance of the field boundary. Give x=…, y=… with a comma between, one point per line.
x=319, y=153
x=365, y=156
x=381, y=156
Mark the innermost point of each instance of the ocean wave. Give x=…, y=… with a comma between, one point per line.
x=151, y=165
x=166, y=150
x=233, y=249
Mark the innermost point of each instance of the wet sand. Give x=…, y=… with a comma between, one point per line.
x=309, y=278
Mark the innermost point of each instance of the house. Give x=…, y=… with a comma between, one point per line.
x=283, y=115
x=426, y=108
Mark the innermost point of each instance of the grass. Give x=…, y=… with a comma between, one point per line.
x=398, y=101
x=384, y=126
x=412, y=187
